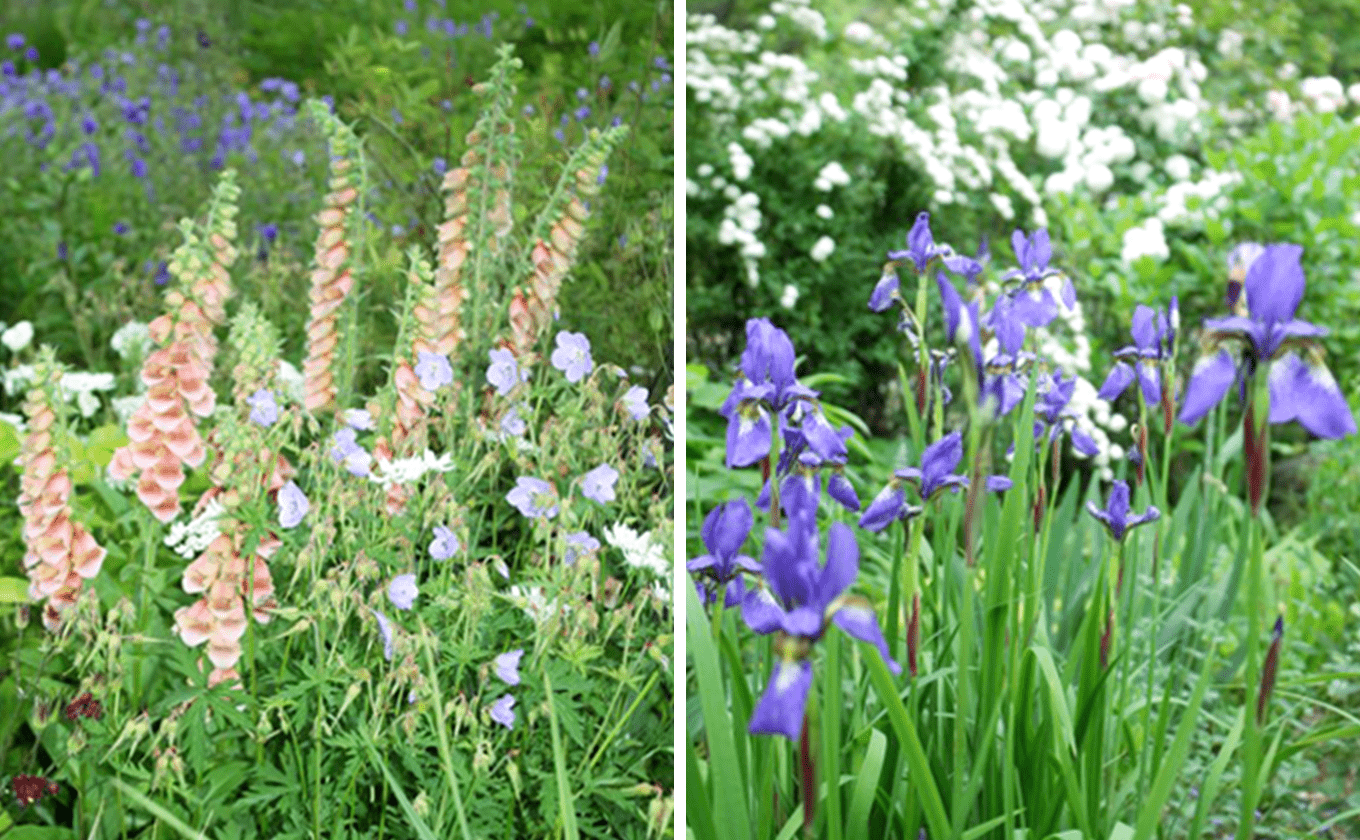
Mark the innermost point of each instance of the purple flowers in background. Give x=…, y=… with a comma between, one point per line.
x=444, y=545
x=725, y=531
x=348, y=452
x=635, y=403
x=534, y=497
x=433, y=370
x=502, y=712
x=504, y=372
x=1115, y=515
x=263, y=409
x=402, y=591
x=292, y=505
x=384, y=630
x=572, y=356
x=598, y=484
x=578, y=545
x=507, y=666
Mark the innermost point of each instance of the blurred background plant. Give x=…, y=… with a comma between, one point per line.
x=345, y=724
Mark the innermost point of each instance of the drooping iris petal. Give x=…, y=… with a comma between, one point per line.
x=839, y=488
x=859, y=621
x=884, y=290
x=1150, y=380
x=884, y=508
x=760, y=611
x=780, y=709
x=748, y=436
x=1116, y=381
x=1212, y=377
x=1309, y=395
x=1274, y=283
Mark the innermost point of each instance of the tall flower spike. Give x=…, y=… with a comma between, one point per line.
x=332, y=277
x=163, y=436
x=60, y=554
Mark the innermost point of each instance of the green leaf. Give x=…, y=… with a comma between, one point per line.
x=9, y=442
x=13, y=590
x=103, y=442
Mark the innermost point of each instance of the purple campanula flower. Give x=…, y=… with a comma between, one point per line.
x=401, y=27
x=801, y=599
x=507, y=666
x=31, y=53
x=263, y=409
x=15, y=41
x=346, y=451
x=502, y=712
x=598, y=484
x=384, y=630
x=1141, y=360
x=604, y=173
x=292, y=505
x=594, y=48
x=88, y=124
x=1115, y=516
x=505, y=373
x=402, y=591
x=534, y=497
x=439, y=165
x=444, y=545
x=1271, y=339
x=582, y=113
x=635, y=403
x=578, y=545
x=120, y=228
x=572, y=356
x=359, y=419
x=433, y=370
x=724, y=533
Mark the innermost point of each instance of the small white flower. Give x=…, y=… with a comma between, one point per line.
x=822, y=249
x=789, y=297
x=824, y=212
x=18, y=336
x=638, y=549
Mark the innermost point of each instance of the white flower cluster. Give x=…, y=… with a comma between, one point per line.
x=741, y=219
x=1145, y=240
x=410, y=470
x=75, y=386
x=189, y=539
x=640, y=550
x=131, y=341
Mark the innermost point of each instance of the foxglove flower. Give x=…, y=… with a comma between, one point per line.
x=1300, y=386
x=292, y=505
x=444, y=545
x=507, y=666
x=1115, y=516
x=801, y=600
x=534, y=497
x=724, y=533
x=598, y=484
x=402, y=591
x=572, y=356
x=502, y=712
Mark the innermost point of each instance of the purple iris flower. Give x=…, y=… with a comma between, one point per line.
x=769, y=388
x=724, y=533
x=1033, y=303
x=1115, y=517
x=1301, y=387
x=921, y=247
x=1051, y=411
x=1151, y=334
x=938, y=462
x=802, y=599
